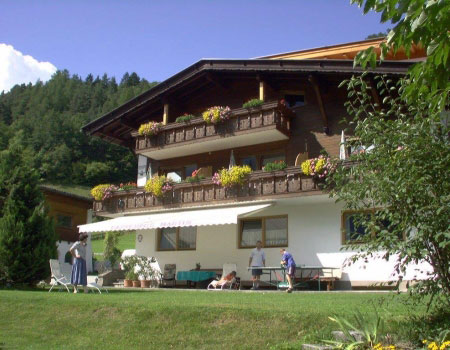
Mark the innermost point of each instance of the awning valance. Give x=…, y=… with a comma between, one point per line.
x=198, y=217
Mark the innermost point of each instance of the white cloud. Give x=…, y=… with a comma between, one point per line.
x=16, y=68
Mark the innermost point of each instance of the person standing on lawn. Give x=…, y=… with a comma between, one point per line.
x=288, y=261
x=79, y=270
x=257, y=259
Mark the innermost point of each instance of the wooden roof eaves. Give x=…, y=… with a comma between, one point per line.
x=240, y=65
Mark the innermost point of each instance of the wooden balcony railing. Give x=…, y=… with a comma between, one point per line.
x=260, y=185
x=269, y=116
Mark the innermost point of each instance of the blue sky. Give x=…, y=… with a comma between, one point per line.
x=158, y=38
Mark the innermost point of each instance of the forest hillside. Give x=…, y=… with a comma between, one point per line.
x=45, y=119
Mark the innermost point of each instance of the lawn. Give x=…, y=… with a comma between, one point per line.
x=167, y=319
x=126, y=241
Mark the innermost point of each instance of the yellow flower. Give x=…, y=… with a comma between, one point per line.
x=306, y=167
x=155, y=185
x=99, y=191
x=234, y=176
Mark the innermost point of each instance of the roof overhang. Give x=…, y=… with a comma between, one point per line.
x=156, y=95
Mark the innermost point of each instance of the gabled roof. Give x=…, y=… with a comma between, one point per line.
x=163, y=90
x=347, y=51
x=77, y=192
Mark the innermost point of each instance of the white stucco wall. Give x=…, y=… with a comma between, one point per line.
x=63, y=247
x=314, y=234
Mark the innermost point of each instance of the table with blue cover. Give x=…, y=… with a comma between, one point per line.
x=195, y=276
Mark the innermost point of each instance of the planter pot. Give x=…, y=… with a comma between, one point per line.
x=128, y=283
x=136, y=284
x=145, y=284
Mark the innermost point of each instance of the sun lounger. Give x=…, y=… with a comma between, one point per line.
x=227, y=269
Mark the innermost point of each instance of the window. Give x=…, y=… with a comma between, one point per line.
x=250, y=161
x=177, y=238
x=63, y=221
x=295, y=99
x=271, y=231
x=352, y=230
x=189, y=169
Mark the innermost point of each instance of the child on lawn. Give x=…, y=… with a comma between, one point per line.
x=288, y=261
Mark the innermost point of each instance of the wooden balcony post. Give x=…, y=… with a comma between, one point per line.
x=262, y=92
x=166, y=114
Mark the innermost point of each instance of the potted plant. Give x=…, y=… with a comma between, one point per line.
x=195, y=177
x=158, y=185
x=253, y=103
x=236, y=175
x=145, y=271
x=128, y=265
x=104, y=191
x=136, y=282
x=275, y=166
x=129, y=277
x=185, y=118
x=149, y=129
x=217, y=114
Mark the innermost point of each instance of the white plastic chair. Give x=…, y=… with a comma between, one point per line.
x=61, y=274
x=227, y=268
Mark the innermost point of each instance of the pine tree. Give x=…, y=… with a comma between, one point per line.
x=27, y=236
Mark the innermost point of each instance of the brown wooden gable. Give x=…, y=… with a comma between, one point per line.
x=223, y=82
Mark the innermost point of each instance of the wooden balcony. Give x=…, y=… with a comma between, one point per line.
x=268, y=123
x=261, y=185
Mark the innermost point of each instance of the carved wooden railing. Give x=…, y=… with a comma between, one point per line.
x=269, y=115
x=260, y=185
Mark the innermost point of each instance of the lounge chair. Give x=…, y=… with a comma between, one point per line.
x=61, y=274
x=58, y=277
x=227, y=269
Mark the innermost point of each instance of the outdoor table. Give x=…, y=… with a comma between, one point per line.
x=272, y=270
x=195, y=276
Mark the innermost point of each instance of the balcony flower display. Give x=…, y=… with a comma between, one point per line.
x=318, y=167
x=149, y=129
x=254, y=103
x=195, y=177
x=217, y=114
x=158, y=185
x=185, y=118
x=236, y=175
x=276, y=165
x=127, y=186
x=103, y=191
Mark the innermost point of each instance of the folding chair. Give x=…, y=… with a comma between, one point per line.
x=169, y=274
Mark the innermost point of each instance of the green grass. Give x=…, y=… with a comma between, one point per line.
x=126, y=241
x=166, y=319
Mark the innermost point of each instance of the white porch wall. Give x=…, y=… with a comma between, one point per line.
x=314, y=233
x=63, y=247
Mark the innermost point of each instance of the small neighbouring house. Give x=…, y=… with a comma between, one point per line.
x=195, y=219
x=69, y=207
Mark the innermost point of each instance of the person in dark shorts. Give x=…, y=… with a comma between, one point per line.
x=288, y=261
x=257, y=259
